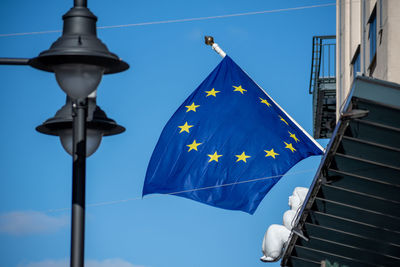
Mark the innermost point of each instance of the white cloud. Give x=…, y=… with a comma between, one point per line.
x=88, y=263
x=30, y=222
x=46, y=263
x=110, y=263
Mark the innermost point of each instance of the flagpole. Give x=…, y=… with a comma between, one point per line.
x=209, y=40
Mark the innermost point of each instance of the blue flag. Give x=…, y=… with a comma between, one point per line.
x=227, y=145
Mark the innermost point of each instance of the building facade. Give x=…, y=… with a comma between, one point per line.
x=351, y=215
x=368, y=38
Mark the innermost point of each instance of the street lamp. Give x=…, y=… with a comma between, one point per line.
x=79, y=60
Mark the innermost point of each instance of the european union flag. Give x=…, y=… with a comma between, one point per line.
x=227, y=145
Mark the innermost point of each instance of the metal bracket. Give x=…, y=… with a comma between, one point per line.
x=296, y=230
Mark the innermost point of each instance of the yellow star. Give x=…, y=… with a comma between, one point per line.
x=282, y=119
x=294, y=137
x=265, y=102
x=185, y=127
x=242, y=157
x=290, y=146
x=214, y=156
x=192, y=107
x=271, y=153
x=193, y=145
x=239, y=89
x=212, y=92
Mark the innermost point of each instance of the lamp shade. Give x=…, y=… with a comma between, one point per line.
x=78, y=50
x=97, y=126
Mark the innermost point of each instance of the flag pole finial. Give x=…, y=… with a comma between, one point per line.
x=209, y=40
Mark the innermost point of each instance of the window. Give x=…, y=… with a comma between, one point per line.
x=372, y=36
x=356, y=63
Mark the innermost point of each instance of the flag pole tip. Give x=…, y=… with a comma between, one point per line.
x=209, y=40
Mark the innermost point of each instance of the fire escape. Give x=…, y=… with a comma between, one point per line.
x=323, y=85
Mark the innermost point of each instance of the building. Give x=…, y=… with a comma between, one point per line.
x=368, y=37
x=351, y=215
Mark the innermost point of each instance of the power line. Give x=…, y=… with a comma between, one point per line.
x=178, y=20
x=106, y=203
x=215, y=17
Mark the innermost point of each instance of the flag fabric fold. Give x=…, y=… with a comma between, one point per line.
x=227, y=145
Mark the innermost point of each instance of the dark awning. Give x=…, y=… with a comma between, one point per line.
x=351, y=215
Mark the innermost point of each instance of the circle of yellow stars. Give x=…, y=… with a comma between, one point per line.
x=243, y=156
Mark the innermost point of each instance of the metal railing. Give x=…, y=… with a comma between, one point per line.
x=323, y=62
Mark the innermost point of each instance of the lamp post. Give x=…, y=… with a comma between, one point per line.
x=79, y=60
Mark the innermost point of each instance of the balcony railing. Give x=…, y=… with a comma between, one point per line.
x=323, y=85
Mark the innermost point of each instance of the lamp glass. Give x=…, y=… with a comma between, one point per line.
x=78, y=80
x=93, y=140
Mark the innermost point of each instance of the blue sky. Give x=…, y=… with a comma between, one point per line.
x=167, y=62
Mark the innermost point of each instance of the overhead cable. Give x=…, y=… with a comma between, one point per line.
x=178, y=20
x=106, y=203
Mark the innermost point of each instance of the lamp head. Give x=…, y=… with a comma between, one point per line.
x=78, y=57
x=97, y=124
